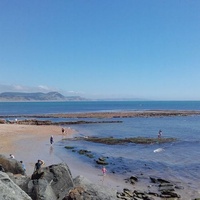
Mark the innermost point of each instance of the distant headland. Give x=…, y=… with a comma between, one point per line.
x=37, y=96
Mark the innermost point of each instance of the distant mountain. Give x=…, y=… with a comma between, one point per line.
x=38, y=96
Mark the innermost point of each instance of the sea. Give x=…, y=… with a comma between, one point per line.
x=179, y=160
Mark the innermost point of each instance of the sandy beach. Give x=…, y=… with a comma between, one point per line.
x=30, y=143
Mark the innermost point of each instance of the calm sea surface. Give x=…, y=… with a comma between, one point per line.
x=179, y=160
x=7, y=108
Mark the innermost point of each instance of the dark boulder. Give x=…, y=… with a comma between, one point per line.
x=86, y=190
x=52, y=182
x=132, y=180
x=11, y=165
x=158, y=180
x=20, y=180
x=102, y=161
x=9, y=190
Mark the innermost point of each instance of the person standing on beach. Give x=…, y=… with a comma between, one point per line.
x=63, y=131
x=104, y=170
x=159, y=134
x=51, y=140
x=23, y=166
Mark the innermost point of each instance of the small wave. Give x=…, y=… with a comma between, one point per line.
x=158, y=150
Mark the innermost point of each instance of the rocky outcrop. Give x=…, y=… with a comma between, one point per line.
x=114, y=141
x=20, y=180
x=11, y=165
x=86, y=190
x=136, y=140
x=9, y=190
x=114, y=115
x=102, y=161
x=161, y=188
x=48, y=122
x=120, y=114
x=55, y=182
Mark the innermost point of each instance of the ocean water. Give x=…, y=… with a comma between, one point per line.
x=179, y=160
x=12, y=108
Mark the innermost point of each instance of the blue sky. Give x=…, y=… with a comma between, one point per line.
x=147, y=49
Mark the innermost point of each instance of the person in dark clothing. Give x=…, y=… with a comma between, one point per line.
x=23, y=166
x=159, y=134
x=38, y=165
x=1, y=168
x=37, y=174
x=51, y=139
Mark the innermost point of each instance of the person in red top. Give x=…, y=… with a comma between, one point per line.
x=104, y=170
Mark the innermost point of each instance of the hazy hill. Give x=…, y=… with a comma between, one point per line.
x=38, y=96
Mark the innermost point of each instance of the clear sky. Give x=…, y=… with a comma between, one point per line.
x=147, y=49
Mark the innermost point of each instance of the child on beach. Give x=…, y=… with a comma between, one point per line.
x=104, y=170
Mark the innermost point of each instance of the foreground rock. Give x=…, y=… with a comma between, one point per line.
x=86, y=190
x=9, y=190
x=55, y=182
